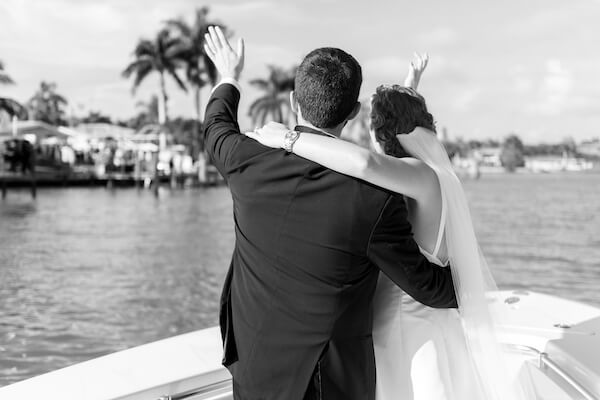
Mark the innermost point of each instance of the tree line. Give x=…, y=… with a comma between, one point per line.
x=512, y=149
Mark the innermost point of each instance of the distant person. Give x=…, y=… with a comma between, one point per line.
x=27, y=157
x=20, y=156
x=296, y=309
x=421, y=353
x=10, y=155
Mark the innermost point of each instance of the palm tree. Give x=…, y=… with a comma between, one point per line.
x=47, y=105
x=4, y=78
x=13, y=108
x=162, y=55
x=275, y=102
x=199, y=70
x=150, y=109
x=147, y=114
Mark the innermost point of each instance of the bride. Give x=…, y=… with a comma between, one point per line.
x=421, y=353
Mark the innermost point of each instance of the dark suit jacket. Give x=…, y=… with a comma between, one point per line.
x=309, y=246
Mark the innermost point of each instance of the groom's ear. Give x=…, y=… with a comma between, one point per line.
x=355, y=111
x=293, y=102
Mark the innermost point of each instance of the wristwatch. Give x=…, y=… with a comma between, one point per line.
x=290, y=139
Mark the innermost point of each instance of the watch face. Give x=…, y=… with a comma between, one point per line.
x=291, y=135
x=290, y=138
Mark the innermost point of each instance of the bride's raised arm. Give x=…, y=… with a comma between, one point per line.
x=408, y=176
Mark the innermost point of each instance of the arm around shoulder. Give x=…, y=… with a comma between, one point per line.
x=408, y=176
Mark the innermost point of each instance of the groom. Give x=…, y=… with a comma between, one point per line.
x=296, y=310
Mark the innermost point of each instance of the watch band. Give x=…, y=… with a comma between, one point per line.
x=290, y=139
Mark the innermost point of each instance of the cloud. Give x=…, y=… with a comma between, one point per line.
x=554, y=89
x=520, y=77
x=466, y=98
x=245, y=7
x=38, y=17
x=259, y=55
x=437, y=37
x=386, y=67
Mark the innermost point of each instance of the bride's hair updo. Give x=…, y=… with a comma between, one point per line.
x=397, y=110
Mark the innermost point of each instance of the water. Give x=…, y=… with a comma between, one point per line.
x=541, y=232
x=85, y=272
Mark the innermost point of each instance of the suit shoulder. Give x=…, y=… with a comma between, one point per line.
x=372, y=200
x=374, y=192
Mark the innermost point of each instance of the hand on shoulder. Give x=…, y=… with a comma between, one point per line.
x=271, y=135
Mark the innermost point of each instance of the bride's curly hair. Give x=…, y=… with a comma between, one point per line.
x=397, y=110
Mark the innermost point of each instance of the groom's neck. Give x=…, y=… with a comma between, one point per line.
x=337, y=131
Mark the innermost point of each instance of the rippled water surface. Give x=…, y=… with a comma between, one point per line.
x=85, y=272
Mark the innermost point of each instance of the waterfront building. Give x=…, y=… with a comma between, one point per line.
x=548, y=164
x=589, y=148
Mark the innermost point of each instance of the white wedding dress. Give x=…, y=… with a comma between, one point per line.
x=422, y=353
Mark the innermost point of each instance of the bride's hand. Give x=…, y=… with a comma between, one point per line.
x=270, y=135
x=415, y=70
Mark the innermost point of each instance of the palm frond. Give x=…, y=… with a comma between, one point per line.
x=260, y=83
x=5, y=79
x=211, y=70
x=136, y=66
x=59, y=99
x=145, y=47
x=179, y=25
x=184, y=51
x=194, y=76
x=263, y=116
x=177, y=79
x=13, y=108
x=255, y=106
x=140, y=75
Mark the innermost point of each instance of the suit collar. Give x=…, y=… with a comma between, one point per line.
x=307, y=129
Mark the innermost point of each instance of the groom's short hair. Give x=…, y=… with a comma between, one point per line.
x=327, y=86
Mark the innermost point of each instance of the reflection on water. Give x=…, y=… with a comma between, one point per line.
x=85, y=272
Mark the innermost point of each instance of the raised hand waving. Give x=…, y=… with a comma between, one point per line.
x=229, y=62
x=415, y=70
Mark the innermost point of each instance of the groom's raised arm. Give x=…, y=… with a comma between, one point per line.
x=221, y=130
x=393, y=249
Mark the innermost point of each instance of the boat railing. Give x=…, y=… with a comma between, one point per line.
x=215, y=391
x=544, y=361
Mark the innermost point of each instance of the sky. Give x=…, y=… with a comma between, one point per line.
x=525, y=67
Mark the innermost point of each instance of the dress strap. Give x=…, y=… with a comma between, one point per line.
x=440, y=235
